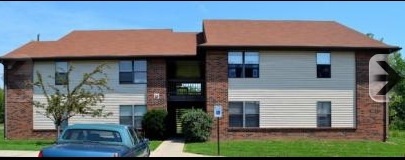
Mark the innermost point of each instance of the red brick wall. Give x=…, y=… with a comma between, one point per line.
x=19, y=108
x=370, y=114
x=216, y=77
x=369, y=119
x=156, y=84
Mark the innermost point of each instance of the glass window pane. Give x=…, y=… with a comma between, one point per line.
x=236, y=120
x=140, y=77
x=323, y=71
x=140, y=65
x=251, y=107
x=323, y=58
x=324, y=114
x=323, y=108
x=126, y=110
x=125, y=66
x=134, y=135
x=231, y=72
x=252, y=71
x=235, y=71
x=126, y=120
x=252, y=120
x=61, y=78
x=125, y=77
x=61, y=67
x=235, y=107
x=139, y=110
x=251, y=57
x=138, y=122
x=235, y=58
x=324, y=120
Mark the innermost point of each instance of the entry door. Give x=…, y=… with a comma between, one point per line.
x=179, y=113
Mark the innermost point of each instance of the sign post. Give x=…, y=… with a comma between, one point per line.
x=218, y=114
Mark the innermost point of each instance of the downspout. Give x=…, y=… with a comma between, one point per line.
x=385, y=121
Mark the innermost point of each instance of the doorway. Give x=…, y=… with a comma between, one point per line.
x=176, y=110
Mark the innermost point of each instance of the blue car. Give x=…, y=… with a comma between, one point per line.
x=98, y=140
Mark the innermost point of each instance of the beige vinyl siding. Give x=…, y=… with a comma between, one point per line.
x=121, y=94
x=288, y=89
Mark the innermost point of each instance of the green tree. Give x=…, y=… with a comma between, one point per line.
x=397, y=94
x=67, y=101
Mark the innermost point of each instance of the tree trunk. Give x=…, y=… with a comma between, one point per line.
x=57, y=127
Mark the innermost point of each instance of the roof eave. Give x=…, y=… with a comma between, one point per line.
x=101, y=56
x=388, y=48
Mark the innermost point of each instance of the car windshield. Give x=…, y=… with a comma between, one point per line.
x=92, y=135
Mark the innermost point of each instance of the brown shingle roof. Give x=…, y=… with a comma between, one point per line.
x=228, y=33
x=112, y=43
x=285, y=33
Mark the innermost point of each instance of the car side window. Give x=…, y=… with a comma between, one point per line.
x=134, y=136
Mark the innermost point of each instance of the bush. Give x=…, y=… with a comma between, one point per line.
x=196, y=125
x=397, y=124
x=154, y=124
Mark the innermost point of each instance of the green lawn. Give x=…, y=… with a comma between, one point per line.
x=394, y=147
x=22, y=144
x=38, y=144
x=154, y=144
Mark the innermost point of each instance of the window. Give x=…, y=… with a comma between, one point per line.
x=61, y=77
x=92, y=135
x=323, y=65
x=134, y=136
x=243, y=64
x=243, y=114
x=132, y=115
x=133, y=71
x=323, y=110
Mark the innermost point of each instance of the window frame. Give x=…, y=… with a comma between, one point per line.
x=133, y=72
x=132, y=114
x=244, y=114
x=328, y=115
x=57, y=73
x=318, y=66
x=243, y=65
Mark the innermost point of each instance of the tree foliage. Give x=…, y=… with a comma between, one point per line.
x=397, y=94
x=70, y=99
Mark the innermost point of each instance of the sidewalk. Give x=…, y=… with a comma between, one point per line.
x=172, y=148
x=11, y=153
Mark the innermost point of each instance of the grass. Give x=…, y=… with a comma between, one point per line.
x=394, y=147
x=39, y=144
x=22, y=144
x=154, y=144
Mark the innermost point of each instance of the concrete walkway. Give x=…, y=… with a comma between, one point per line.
x=10, y=153
x=172, y=148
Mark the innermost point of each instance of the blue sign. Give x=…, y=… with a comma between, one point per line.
x=217, y=111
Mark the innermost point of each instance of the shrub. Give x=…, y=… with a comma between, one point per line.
x=154, y=124
x=196, y=125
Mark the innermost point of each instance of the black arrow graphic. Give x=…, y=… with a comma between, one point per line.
x=393, y=78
